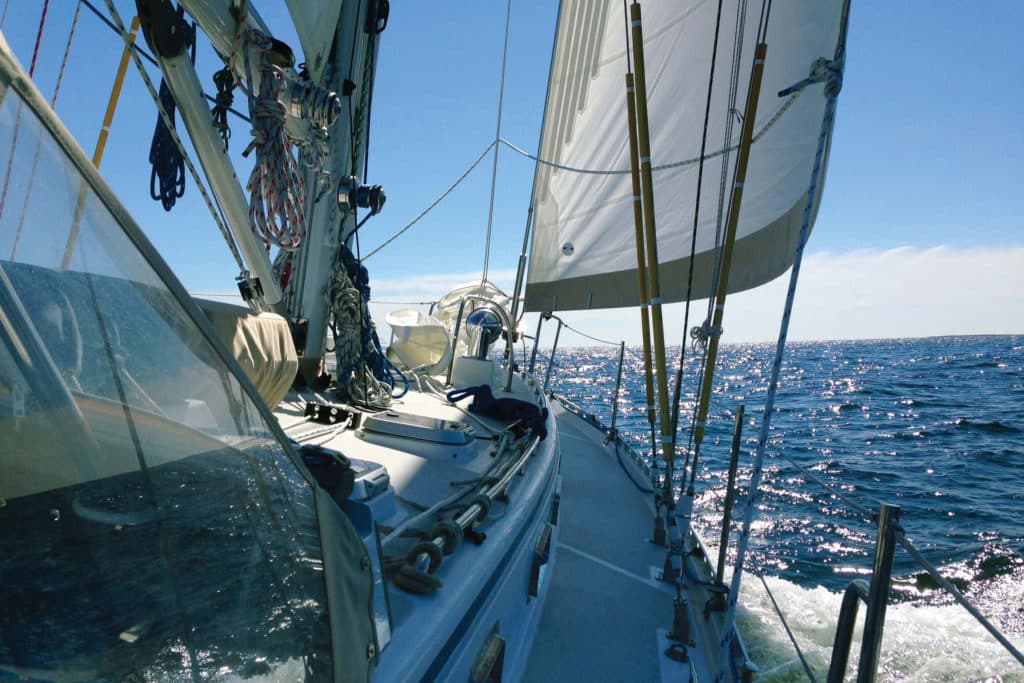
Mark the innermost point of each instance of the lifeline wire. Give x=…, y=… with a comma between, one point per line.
x=522, y=152
x=958, y=596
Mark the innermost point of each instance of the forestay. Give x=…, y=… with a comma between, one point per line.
x=583, y=253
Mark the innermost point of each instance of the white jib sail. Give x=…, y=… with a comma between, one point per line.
x=583, y=253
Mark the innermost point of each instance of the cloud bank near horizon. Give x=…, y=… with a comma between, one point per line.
x=862, y=294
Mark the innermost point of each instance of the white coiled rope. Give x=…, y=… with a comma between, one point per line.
x=276, y=191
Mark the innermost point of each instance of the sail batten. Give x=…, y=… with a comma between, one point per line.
x=583, y=250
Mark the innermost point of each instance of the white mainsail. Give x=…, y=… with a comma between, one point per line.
x=583, y=253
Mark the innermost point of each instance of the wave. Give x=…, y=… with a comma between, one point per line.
x=920, y=642
x=992, y=427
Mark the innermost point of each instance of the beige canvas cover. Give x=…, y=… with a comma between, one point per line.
x=260, y=342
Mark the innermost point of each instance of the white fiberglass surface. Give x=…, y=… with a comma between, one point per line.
x=151, y=527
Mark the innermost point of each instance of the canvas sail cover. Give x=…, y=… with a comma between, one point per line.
x=583, y=253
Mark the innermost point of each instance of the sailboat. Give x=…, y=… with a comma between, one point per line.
x=197, y=491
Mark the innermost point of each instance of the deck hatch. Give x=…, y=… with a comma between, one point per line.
x=394, y=423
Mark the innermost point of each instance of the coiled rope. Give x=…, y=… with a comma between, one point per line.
x=168, y=172
x=276, y=192
x=224, y=81
x=119, y=25
x=365, y=375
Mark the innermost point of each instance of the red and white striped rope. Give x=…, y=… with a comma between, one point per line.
x=277, y=193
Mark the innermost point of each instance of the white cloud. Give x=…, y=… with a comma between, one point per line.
x=863, y=294
x=431, y=286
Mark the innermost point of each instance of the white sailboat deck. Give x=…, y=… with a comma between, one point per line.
x=607, y=613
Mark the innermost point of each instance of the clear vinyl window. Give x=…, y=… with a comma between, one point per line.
x=151, y=527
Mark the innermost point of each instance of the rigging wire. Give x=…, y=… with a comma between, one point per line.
x=730, y=121
x=17, y=120
x=53, y=104
x=739, y=31
x=832, y=87
x=693, y=237
x=497, y=136
x=437, y=201
x=789, y=631
x=148, y=57
x=725, y=151
x=119, y=25
x=67, y=53
x=584, y=334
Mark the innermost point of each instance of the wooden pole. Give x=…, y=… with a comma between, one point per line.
x=101, y=142
x=641, y=260
x=115, y=95
x=651, y=242
x=746, y=135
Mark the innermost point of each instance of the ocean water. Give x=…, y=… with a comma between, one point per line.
x=935, y=426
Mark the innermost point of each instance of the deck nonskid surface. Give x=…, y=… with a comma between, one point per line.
x=604, y=609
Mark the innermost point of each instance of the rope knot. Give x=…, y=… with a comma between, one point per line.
x=704, y=332
x=827, y=71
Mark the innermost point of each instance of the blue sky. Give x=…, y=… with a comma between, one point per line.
x=920, y=230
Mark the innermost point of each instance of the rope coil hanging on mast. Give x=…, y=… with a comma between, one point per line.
x=168, y=163
x=224, y=80
x=277, y=193
x=135, y=52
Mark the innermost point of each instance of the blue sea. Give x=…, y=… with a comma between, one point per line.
x=934, y=426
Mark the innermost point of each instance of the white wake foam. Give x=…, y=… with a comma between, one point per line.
x=920, y=643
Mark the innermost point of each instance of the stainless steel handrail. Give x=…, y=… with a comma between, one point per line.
x=877, y=599
x=505, y=320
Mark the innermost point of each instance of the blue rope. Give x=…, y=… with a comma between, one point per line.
x=165, y=156
x=168, y=164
